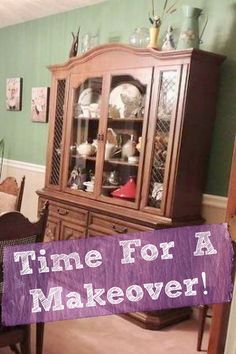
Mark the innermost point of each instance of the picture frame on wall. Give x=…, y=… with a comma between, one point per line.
x=39, y=104
x=14, y=94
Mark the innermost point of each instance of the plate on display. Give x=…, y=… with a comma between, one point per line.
x=88, y=96
x=125, y=101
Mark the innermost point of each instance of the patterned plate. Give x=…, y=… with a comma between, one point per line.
x=125, y=101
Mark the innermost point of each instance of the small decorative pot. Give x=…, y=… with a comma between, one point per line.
x=113, y=178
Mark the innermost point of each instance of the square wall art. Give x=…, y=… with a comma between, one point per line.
x=39, y=104
x=13, y=94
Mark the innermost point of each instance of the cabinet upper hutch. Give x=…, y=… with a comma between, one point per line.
x=129, y=136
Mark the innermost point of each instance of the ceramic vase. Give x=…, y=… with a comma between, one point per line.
x=154, y=35
x=189, y=34
x=128, y=149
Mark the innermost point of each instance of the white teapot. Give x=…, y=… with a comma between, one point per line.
x=85, y=149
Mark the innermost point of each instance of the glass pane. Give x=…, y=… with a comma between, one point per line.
x=123, y=138
x=83, y=142
x=57, y=140
x=166, y=105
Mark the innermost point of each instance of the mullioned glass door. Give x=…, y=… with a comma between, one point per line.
x=159, y=154
x=125, y=125
x=84, y=113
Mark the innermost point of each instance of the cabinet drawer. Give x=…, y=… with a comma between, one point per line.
x=65, y=212
x=93, y=232
x=52, y=230
x=70, y=231
x=107, y=225
x=76, y=215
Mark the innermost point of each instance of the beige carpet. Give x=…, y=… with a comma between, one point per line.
x=114, y=335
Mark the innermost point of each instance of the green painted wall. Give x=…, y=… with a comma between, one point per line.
x=27, y=49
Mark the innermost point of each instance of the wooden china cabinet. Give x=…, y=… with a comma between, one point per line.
x=130, y=131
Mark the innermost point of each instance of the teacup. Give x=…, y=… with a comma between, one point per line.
x=86, y=111
x=89, y=186
x=133, y=159
x=93, y=108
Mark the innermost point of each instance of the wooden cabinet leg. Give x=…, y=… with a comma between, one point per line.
x=39, y=337
x=25, y=344
x=202, y=319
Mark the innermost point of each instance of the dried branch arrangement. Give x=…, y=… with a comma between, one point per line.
x=167, y=9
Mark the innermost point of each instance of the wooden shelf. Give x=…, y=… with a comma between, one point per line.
x=86, y=118
x=125, y=119
x=90, y=158
x=121, y=162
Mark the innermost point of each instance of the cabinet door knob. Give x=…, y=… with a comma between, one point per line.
x=62, y=211
x=100, y=137
x=120, y=230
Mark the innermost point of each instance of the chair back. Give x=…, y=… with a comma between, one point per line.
x=11, y=194
x=15, y=229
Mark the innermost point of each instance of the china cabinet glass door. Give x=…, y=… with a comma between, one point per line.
x=82, y=145
x=163, y=114
x=125, y=124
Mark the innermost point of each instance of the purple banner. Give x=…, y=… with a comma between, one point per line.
x=99, y=276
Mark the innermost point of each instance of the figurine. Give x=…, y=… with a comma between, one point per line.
x=168, y=43
x=77, y=177
x=139, y=144
x=75, y=44
x=113, y=178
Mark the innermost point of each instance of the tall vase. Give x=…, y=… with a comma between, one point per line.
x=154, y=35
x=189, y=34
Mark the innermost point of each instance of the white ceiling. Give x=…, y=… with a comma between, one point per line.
x=17, y=11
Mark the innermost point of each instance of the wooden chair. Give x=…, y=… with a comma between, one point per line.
x=16, y=229
x=11, y=194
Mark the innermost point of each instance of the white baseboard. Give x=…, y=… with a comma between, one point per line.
x=24, y=165
x=214, y=200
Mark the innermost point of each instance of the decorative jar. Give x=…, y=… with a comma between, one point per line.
x=140, y=37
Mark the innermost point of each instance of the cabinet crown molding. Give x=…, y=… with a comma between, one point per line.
x=143, y=52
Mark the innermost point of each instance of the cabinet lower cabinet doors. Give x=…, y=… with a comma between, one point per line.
x=69, y=213
x=52, y=230
x=71, y=231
